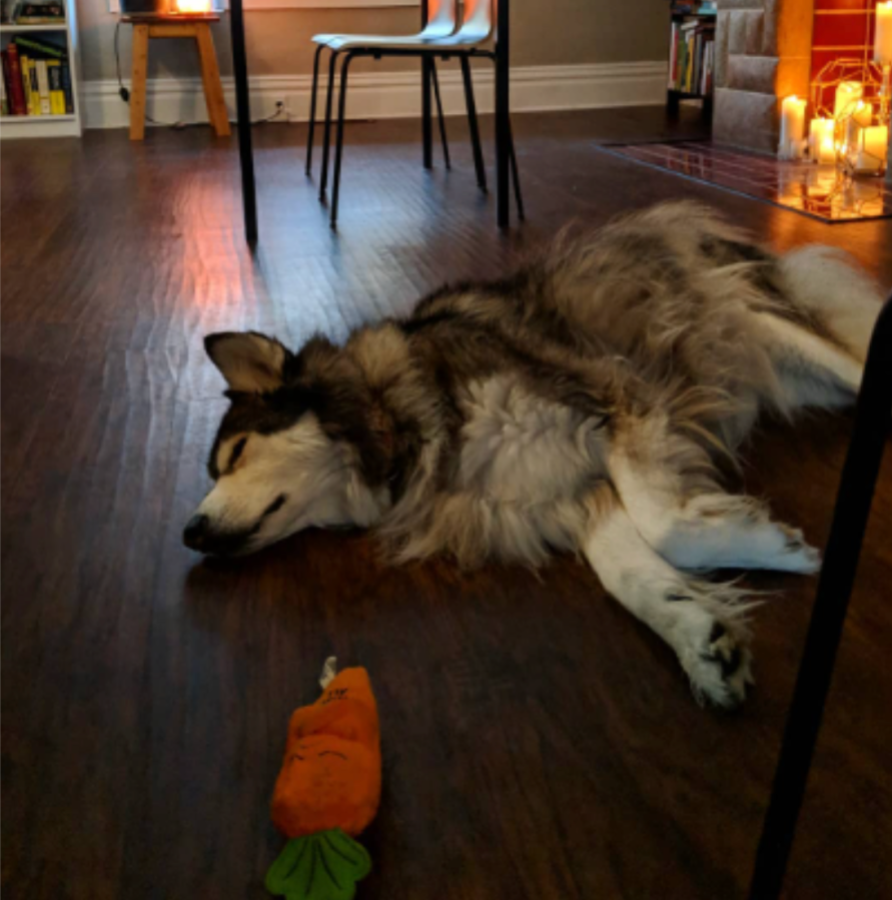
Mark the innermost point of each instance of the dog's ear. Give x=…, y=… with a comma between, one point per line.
x=250, y=362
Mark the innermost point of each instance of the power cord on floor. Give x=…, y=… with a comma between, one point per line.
x=124, y=94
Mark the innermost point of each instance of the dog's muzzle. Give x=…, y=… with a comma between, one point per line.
x=199, y=535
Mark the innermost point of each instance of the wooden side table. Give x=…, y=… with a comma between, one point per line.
x=197, y=27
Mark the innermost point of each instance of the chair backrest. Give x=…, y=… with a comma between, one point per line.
x=478, y=17
x=442, y=15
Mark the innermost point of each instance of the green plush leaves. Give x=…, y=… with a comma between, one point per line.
x=323, y=866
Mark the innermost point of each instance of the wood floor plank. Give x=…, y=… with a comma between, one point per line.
x=538, y=741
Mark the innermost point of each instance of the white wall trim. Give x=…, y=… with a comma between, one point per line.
x=393, y=95
x=114, y=6
x=259, y=5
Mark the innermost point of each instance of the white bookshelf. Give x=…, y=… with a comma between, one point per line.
x=49, y=126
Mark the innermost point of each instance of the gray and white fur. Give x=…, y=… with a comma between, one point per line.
x=587, y=404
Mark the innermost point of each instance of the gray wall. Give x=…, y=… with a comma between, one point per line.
x=544, y=32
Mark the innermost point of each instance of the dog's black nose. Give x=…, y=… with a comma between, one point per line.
x=195, y=533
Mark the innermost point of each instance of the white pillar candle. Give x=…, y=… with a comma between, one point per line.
x=820, y=141
x=872, y=149
x=882, y=41
x=847, y=95
x=863, y=114
x=792, y=128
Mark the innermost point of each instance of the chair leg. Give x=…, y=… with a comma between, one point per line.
x=316, y=56
x=426, y=141
x=515, y=175
x=472, y=123
x=440, y=118
x=326, y=138
x=339, y=149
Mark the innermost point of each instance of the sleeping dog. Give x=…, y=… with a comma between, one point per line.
x=588, y=403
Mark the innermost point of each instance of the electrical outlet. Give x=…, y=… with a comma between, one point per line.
x=279, y=110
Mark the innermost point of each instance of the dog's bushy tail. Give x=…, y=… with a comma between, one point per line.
x=837, y=291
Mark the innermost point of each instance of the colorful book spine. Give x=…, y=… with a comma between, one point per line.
x=38, y=48
x=35, y=90
x=4, y=103
x=25, y=66
x=14, y=80
x=66, y=89
x=57, y=95
x=43, y=87
x=673, y=54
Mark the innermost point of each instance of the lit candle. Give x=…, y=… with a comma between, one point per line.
x=882, y=41
x=792, y=128
x=820, y=141
x=863, y=113
x=872, y=149
x=847, y=95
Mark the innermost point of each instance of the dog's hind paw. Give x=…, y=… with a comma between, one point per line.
x=718, y=661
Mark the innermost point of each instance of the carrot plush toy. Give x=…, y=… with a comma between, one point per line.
x=328, y=790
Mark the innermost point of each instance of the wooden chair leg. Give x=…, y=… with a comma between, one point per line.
x=210, y=76
x=138, y=82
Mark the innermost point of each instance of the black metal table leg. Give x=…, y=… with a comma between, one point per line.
x=427, y=141
x=243, y=114
x=503, y=113
x=856, y=489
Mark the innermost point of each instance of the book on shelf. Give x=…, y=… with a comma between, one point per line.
x=691, y=8
x=30, y=78
x=12, y=71
x=37, y=78
x=35, y=47
x=43, y=87
x=691, y=56
x=25, y=67
x=4, y=103
x=66, y=89
x=57, y=95
x=51, y=12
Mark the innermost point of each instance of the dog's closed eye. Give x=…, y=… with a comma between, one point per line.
x=237, y=451
x=276, y=505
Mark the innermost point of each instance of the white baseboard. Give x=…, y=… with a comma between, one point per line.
x=392, y=95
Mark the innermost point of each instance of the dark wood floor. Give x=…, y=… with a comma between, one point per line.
x=538, y=742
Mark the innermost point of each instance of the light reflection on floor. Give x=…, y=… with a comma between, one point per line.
x=817, y=191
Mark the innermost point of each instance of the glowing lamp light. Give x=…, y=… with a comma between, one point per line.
x=193, y=7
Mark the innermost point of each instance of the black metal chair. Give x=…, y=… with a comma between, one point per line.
x=478, y=22
x=440, y=21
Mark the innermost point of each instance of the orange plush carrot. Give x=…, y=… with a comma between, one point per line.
x=328, y=790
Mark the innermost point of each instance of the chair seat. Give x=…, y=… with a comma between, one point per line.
x=353, y=41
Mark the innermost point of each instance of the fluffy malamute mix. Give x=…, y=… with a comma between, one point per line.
x=585, y=404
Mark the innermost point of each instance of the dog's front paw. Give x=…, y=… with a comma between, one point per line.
x=797, y=555
x=717, y=660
